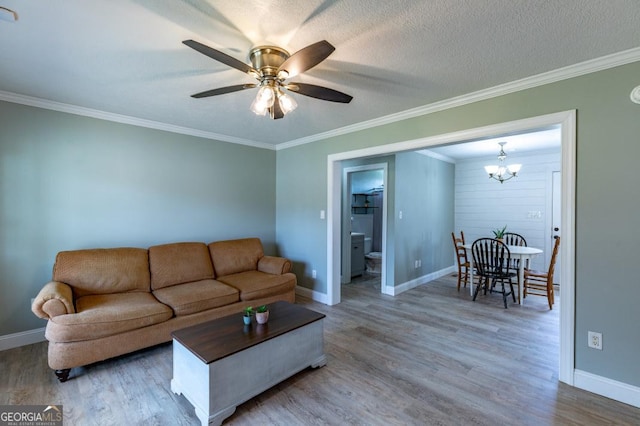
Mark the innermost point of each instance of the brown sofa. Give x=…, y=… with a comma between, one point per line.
x=102, y=303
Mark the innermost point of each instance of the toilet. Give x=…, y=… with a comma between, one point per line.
x=373, y=259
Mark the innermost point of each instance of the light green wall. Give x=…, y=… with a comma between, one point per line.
x=607, y=199
x=298, y=209
x=425, y=194
x=70, y=182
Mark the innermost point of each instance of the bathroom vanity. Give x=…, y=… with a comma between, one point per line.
x=357, y=254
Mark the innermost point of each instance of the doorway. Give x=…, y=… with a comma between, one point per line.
x=364, y=211
x=567, y=122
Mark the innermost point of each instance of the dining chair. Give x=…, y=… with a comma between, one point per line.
x=492, y=258
x=540, y=283
x=513, y=239
x=461, y=256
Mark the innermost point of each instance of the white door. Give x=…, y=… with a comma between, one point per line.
x=556, y=214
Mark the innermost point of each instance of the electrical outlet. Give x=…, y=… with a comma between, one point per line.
x=419, y=263
x=595, y=340
x=313, y=274
x=415, y=264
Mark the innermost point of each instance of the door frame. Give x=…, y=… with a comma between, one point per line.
x=556, y=194
x=567, y=122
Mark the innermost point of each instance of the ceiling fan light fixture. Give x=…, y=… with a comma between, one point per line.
x=273, y=65
x=287, y=103
x=264, y=100
x=283, y=75
x=259, y=108
x=266, y=95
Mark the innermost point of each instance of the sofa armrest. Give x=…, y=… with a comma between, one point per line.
x=54, y=299
x=274, y=265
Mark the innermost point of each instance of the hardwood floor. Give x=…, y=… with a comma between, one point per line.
x=429, y=356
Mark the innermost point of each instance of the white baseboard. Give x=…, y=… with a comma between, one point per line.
x=394, y=291
x=613, y=389
x=312, y=294
x=24, y=338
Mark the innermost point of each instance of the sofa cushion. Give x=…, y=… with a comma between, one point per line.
x=103, y=271
x=103, y=315
x=256, y=285
x=233, y=256
x=178, y=263
x=197, y=296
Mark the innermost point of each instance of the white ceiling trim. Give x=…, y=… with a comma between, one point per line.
x=594, y=65
x=437, y=156
x=124, y=119
x=576, y=70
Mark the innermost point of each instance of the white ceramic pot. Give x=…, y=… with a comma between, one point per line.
x=262, y=317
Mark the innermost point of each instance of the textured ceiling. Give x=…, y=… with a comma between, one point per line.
x=126, y=57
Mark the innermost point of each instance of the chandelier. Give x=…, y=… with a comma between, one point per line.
x=501, y=172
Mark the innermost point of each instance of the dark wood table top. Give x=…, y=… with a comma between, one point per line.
x=219, y=338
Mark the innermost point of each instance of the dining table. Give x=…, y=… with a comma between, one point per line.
x=523, y=253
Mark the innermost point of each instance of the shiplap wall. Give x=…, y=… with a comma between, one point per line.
x=483, y=204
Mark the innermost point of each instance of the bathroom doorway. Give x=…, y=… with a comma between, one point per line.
x=364, y=222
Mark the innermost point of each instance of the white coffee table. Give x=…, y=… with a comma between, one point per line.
x=220, y=364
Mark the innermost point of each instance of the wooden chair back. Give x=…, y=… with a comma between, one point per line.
x=540, y=283
x=461, y=257
x=513, y=239
x=492, y=260
x=552, y=262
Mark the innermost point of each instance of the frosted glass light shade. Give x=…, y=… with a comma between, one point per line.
x=263, y=101
x=514, y=168
x=287, y=103
x=266, y=95
x=258, y=107
x=492, y=170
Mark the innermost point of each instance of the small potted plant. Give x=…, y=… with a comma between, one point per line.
x=262, y=314
x=246, y=315
x=499, y=233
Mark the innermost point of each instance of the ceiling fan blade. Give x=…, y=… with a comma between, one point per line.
x=221, y=57
x=306, y=58
x=275, y=111
x=319, y=92
x=223, y=90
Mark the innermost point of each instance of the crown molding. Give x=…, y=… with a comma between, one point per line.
x=571, y=71
x=576, y=70
x=125, y=119
x=437, y=156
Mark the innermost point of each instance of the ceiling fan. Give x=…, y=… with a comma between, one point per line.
x=272, y=66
